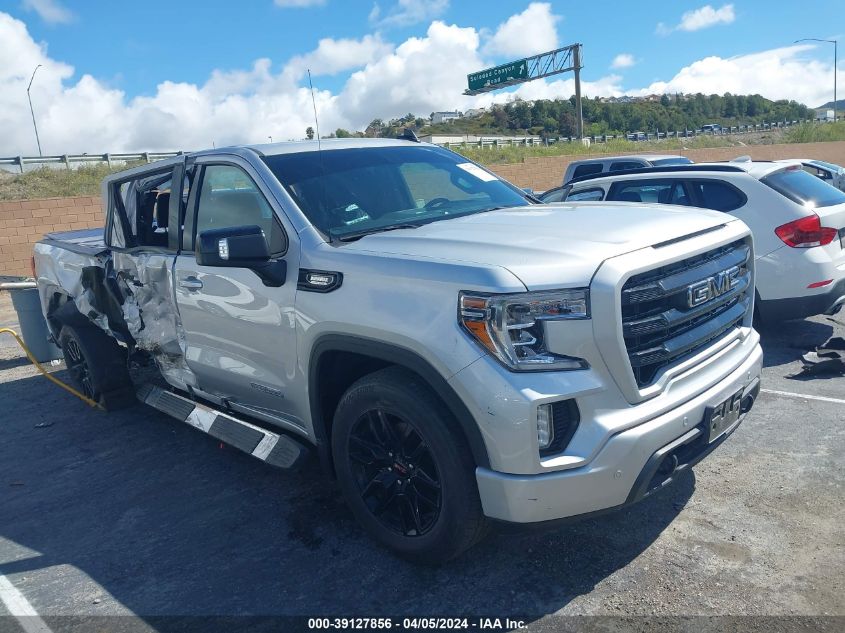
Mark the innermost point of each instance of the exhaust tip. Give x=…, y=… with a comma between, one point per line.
x=746, y=404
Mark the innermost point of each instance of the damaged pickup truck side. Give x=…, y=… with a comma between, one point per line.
x=455, y=354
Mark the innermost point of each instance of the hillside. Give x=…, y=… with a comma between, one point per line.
x=840, y=105
x=557, y=118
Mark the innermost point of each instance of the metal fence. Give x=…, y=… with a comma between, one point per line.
x=67, y=160
x=632, y=136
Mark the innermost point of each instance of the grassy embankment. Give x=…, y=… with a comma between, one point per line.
x=51, y=183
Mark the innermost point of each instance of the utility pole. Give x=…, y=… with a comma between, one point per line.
x=834, y=42
x=579, y=115
x=31, y=111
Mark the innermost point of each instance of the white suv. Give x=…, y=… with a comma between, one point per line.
x=797, y=220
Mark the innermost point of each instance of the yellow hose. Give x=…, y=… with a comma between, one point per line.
x=50, y=377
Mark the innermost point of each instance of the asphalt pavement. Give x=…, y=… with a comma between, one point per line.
x=134, y=514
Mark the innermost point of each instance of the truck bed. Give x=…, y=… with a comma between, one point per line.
x=83, y=241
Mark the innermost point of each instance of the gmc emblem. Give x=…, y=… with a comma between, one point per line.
x=703, y=291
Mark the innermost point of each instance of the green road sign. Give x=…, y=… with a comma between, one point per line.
x=498, y=75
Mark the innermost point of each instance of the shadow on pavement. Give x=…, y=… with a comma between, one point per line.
x=11, y=363
x=168, y=522
x=786, y=342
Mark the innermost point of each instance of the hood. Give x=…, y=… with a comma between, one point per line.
x=545, y=246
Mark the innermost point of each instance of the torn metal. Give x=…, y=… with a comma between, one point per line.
x=127, y=296
x=68, y=273
x=146, y=283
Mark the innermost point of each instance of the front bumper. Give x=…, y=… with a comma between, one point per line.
x=624, y=469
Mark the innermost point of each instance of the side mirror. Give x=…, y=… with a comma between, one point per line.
x=240, y=247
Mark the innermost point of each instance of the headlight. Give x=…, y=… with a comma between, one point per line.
x=511, y=326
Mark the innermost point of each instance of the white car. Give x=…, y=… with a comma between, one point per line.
x=797, y=220
x=829, y=172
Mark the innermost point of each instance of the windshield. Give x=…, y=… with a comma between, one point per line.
x=829, y=166
x=801, y=187
x=677, y=160
x=356, y=191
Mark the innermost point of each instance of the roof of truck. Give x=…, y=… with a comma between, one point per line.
x=326, y=144
x=266, y=149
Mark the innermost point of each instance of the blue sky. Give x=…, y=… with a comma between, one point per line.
x=151, y=60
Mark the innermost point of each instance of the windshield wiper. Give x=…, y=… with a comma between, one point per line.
x=351, y=237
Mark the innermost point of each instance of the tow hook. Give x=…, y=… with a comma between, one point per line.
x=747, y=403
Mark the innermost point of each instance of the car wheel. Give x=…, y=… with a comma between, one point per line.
x=97, y=366
x=404, y=469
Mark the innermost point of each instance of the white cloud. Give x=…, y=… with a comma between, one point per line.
x=83, y=114
x=245, y=105
x=407, y=12
x=781, y=73
x=333, y=56
x=51, y=11
x=623, y=60
x=701, y=18
x=609, y=86
x=706, y=17
x=422, y=75
x=298, y=4
x=528, y=33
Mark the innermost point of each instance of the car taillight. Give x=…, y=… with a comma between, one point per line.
x=806, y=232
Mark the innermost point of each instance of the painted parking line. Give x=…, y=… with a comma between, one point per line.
x=803, y=396
x=19, y=607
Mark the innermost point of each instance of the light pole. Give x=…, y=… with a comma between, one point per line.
x=814, y=39
x=31, y=111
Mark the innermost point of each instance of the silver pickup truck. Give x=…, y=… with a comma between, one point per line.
x=455, y=354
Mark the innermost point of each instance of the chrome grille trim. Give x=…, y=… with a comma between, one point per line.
x=660, y=328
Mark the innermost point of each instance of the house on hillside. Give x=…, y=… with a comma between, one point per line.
x=443, y=117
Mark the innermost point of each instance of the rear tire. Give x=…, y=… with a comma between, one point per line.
x=405, y=470
x=97, y=366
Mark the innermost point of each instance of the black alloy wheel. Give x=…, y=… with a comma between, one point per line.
x=97, y=366
x=77, y=365
x=395, y=473
x=405, y=468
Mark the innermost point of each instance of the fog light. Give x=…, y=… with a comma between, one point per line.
x=545, y=428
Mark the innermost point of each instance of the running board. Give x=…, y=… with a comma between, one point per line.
x=277, y=449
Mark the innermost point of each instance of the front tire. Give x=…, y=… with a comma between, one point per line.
x=404, y=468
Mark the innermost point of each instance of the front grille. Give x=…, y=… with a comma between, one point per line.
x=661, y=322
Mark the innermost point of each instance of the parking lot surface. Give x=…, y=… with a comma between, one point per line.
x=133, y=513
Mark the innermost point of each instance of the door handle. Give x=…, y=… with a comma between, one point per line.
x=190, y=283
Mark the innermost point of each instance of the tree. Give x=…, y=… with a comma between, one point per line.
x=566, y=123
x=500, y=117
x=729, y=106
x=341, y=133
x=374, y=129
x=309, y=132
x=664, y=101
